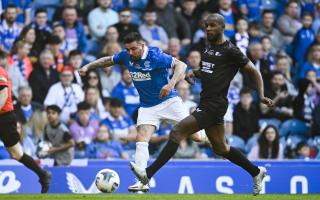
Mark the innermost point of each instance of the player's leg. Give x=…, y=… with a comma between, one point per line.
x=180, y=131
x=216, y=137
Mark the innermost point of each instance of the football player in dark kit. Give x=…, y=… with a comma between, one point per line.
x=221, y=60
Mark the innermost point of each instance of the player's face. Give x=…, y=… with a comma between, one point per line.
x=214, y=30
x=135, y=50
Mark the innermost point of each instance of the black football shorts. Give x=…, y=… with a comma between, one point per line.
x=8, y=129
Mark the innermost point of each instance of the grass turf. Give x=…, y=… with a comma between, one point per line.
x=158, y=197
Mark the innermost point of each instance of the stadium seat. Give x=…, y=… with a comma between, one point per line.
x=293, y=140
x=251, y=142
x=236, y=142
x=294, y=127
x=274, y=122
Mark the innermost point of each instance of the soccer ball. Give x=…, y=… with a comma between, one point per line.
x=107, y=180
x=43, y=148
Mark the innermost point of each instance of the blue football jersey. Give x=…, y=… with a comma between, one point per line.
x=149, y=74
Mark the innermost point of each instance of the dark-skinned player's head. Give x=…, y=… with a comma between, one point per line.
x=134, y=45
x=214, y=26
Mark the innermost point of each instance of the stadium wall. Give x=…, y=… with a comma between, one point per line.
x=176, y=177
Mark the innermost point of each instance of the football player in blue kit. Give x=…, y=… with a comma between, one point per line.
x=150, y=70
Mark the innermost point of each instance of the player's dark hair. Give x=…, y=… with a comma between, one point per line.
x=83, y=106
x=217, y=18
x=40, y=10
x=115, y=102
x=245, y=90
x=264, y=144
x=75, y=52
x=132, y=37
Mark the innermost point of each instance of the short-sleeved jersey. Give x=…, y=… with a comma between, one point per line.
x=149, y=74
x=219, y=65
x=6, y=82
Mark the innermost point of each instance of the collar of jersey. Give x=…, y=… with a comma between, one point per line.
x=145, y=53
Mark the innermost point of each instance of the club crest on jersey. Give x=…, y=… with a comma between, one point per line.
x=140, y=76
x=212, y=52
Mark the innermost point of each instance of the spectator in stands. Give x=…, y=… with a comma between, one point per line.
x=27, y=144
x=25, y=107
x=9, y=28
x=42, y=28
x=92, y=79
x=241, y=38
x=104, y=147
x=256, y=56
x=225, y=9
x=174, y=48
x=97, y=19
x=125, y=26
x=154, y=34
x=184, y=92
x=189, y=13
x=254, y=33
x=278, y=92
x=194, y=59
x=58, y=135
x=83, y=129
x=28, y=35
x=13, y=71
x=267, y=51
x=19, y=58
x=303, y=104
x=172, y=21
x=267, y=28
x=54, y=43
x=43, y=77
x=36, y=126
x=315, y=127
x=251, y=9
x=288, y=24
x=283, y=64
x=127, y=93
x=59, y=31
x=23, y=8
x=245, y=116
x=188, y=149
x=303, y=39
x=313, y=61
x=121, y=126
x=75, y=61
x=198, y=40
x=65, y=94
x=312, y=76
x=58, y=14
x=75, y=34
x=92, y=97
x=303, y=151
x=111, y=48
x=268, y=146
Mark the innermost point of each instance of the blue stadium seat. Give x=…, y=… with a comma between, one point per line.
x=294, y=127
x=316, y=142
x=251, y=142
x=293, y=140
x=236, y=142
x=274, y=122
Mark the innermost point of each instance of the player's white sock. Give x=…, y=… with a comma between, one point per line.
x=142, y=154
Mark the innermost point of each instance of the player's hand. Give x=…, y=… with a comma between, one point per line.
x=190, y=77
x=265, y=100
x=83, y=70
x=165, y=90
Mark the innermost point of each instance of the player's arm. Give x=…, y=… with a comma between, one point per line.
x=3, y=95
x=178, y=74
x=191, y=74
x=101, y=62
x=250, y=69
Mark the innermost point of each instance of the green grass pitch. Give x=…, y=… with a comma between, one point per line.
x=157, y=197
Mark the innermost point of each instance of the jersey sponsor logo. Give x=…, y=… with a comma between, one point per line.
x=207, y=67
x=139, y=76
x=212, y=52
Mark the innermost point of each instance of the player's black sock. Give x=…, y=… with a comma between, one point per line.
x=237, y=158
x=31, y=164
x=168, y=151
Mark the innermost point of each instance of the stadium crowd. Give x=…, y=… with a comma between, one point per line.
x=43, y=43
